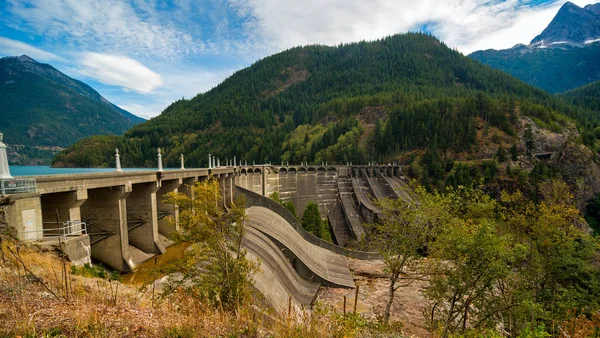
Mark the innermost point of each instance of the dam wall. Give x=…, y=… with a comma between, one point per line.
x=120, y=218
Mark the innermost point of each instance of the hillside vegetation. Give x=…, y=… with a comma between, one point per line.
x=492, y=268
x=357, y=102
x=587, y=96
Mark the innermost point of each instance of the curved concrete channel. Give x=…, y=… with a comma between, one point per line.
x=310, y=260
x=349, y=208
x=400, y=188
x=276, y=279
x=362, y=198
x=254, y=199
x=373, y=183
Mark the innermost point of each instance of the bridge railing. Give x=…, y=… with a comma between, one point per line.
x=254, y=199
x=17, y=186
x=66, y=229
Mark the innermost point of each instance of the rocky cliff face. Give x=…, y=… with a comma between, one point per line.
x=576, y=163
x=580, y=171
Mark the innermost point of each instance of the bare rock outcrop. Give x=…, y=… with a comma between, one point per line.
x=580, y=171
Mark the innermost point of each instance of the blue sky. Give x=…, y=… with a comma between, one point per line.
x=143, y=55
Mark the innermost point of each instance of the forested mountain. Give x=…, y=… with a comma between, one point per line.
x=409, y=98
x=42, y=109
x=553, y=69
x=587, y=96
x=566, y=55
x=319, y=103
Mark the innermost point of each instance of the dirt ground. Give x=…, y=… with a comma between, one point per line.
x=407, y=308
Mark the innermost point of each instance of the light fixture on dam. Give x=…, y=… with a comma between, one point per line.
x=4, y=169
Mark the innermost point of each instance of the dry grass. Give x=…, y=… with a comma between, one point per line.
x=35, y=302
x=92, y=307
x=324, y=321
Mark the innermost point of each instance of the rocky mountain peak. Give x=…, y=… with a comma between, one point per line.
x=572, y=26
x=595, y=8
x=26, y=58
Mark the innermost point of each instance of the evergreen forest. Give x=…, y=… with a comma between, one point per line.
x=357, y=102
x=556, y=70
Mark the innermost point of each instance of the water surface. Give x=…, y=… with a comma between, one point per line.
x=146, y=272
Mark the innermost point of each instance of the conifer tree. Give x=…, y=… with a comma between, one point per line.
x=311, y=219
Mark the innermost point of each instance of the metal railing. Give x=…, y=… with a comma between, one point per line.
x=66, y=229
x=17, y=185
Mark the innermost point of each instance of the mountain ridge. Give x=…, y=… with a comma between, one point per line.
x=587, y=96
x=565, y=56
x=572, y=25
x=43, y=109
x=81, y=87
x=256, y=113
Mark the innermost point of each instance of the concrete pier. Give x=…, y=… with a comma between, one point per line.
x=227, y=190
x=166, y=227
x=66, y=204
x=142, y=218
x=106, y=213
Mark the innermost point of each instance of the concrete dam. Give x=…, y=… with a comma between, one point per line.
x=119, y=218
x=344, y=193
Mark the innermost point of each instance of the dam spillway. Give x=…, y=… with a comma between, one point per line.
x=344, y=194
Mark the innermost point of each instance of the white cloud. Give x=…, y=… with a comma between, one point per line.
x=464, y=24
x=112, y=26
x=250, y=29
x=120, y=71
x=189, y=83
x=522, y=28
x=15, y=48
x=143, y=111
x=178, y=83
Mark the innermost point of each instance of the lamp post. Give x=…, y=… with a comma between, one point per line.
x=4, y=169
x=118, y=161
x=160, y=166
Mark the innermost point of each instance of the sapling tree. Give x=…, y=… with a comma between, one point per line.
x=401, y=237
x=215, y=266
x=312, y=222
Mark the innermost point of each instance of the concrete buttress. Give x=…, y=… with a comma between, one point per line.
x=142, y=218
x=168, y=212
x=227, y=189
x=106, y=212
x=66, y=204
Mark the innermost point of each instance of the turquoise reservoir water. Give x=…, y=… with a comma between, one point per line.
x=16, y=170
